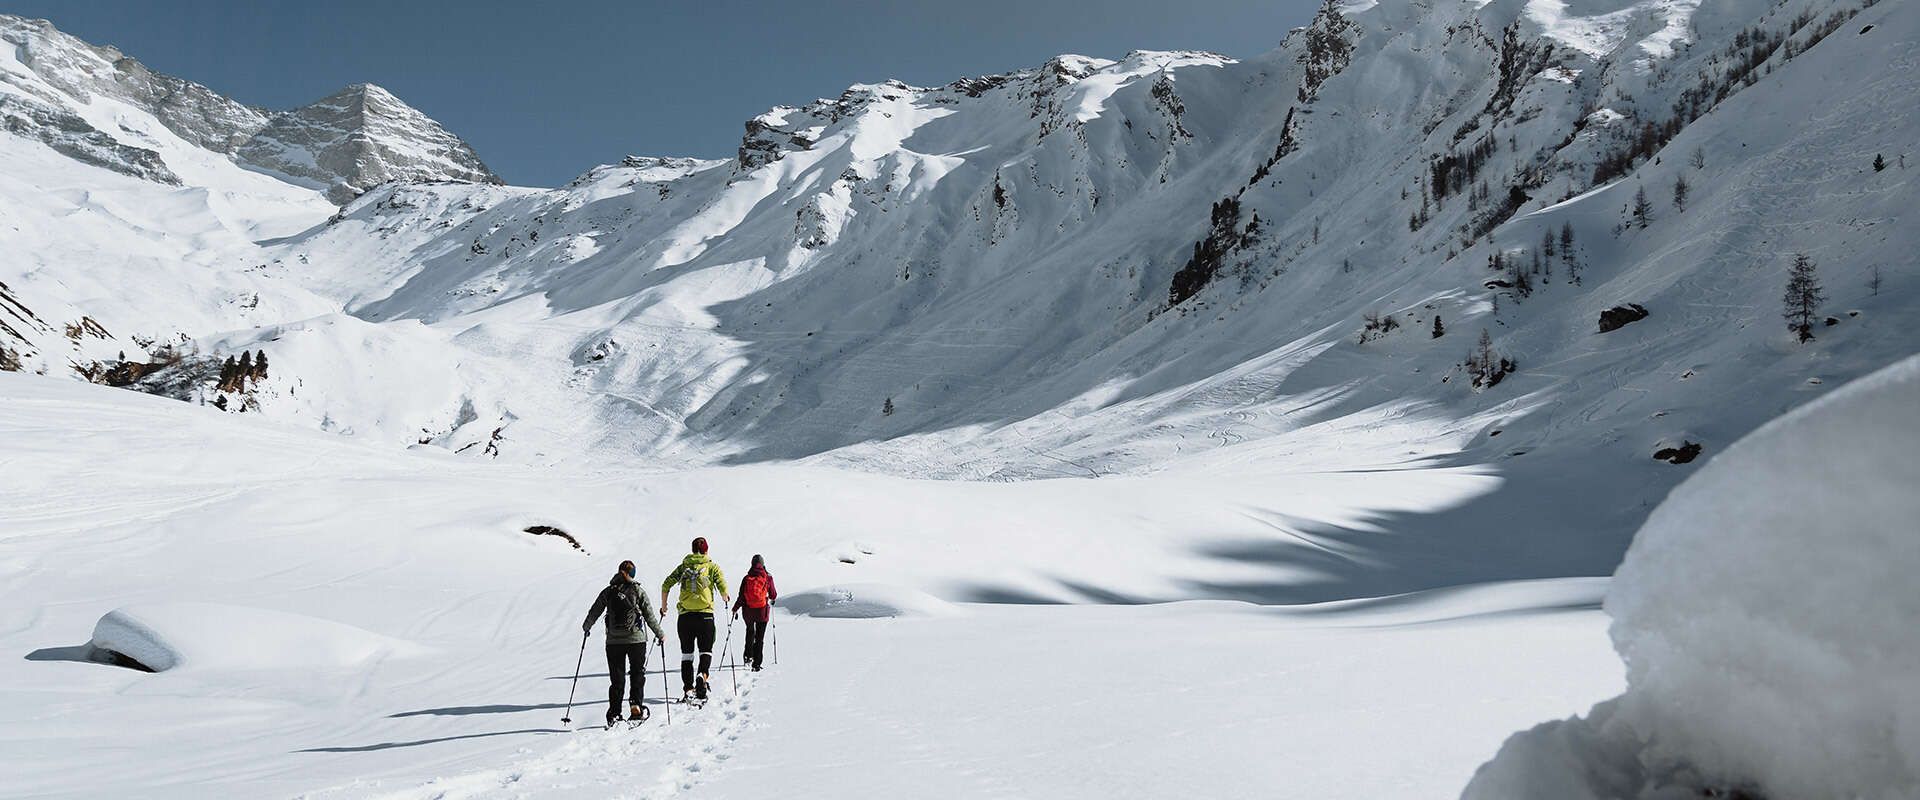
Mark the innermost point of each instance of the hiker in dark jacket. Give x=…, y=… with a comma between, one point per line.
x=626, y=608
x=756, y=603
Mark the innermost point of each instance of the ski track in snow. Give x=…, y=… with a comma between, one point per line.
x=652, y=761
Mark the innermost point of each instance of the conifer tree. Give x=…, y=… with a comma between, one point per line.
x=1801, y=302
x=1680, y=193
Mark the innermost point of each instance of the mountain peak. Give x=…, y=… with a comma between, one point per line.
x=358, y=137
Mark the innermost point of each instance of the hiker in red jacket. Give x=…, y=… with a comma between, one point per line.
x=756, y=598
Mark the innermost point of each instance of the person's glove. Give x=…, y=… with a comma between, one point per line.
x=586, y=628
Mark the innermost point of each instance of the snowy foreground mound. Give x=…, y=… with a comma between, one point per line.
x=1766, y=613
x=165, y=636
x=866, y=601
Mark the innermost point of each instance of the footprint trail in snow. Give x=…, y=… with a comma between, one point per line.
x=653, y=760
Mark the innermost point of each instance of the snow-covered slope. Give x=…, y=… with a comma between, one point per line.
x=1097, y=267
x=337, y=619
x=1765, y=614
x=359, y=137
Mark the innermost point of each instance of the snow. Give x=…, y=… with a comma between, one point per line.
x=211, y=636
x=917, y=350
x=1602, y=27
x=215, y=529
x=865, y=601
x=1765, y=614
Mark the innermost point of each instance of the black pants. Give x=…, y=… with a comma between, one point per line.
x=756, y=642
x=695, y=628
x=618, y=657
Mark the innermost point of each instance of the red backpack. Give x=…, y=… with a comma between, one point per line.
x=754, y=591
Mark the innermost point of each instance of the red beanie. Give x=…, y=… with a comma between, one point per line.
x=700, y=544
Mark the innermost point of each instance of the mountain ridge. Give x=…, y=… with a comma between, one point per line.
x=52, y=78
x=1131, y=266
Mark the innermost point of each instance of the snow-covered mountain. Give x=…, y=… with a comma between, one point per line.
x=1394, y=335
x=1101, y=266
x=357, y=138
x=94, y=103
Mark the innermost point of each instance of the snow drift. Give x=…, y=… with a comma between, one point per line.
x=865, y=601
x=1765, y=613
x=166, y=636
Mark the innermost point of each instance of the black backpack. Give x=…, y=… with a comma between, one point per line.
x=623, y=609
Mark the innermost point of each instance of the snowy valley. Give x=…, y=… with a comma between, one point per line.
x=1120, y=427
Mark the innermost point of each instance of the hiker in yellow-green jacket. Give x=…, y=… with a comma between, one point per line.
x=698, y=578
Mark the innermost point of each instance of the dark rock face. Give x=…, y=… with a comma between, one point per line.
x=1687, y=451
x=1618, y=317
x=766, y=141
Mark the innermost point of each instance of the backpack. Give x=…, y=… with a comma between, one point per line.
x=754, y=591
x=623, y=613
x=693, y=581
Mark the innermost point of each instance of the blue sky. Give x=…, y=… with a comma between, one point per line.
x=544, y=91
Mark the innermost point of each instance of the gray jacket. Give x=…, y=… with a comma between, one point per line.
x=624, y=631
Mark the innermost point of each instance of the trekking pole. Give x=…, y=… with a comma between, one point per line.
x=773, y=630
x=666, y=700
x=726, y=651
x=568, y=716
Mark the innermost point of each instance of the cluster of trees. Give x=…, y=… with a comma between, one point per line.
x=234, y=375
x=1377, y=325
x=1486, y=366
x=1287, y=145
x=1327, y=50
x=1521, y=266
x=1454, y=173
x=1747, y=58
x=9, y=360
x=1210, y=253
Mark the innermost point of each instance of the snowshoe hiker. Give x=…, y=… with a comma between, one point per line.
x=627, y=609
x=698, y=578
x=756, y=606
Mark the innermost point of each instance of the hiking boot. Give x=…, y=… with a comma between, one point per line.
x=636, y=713
x=700, y=688
x=756, y=666
x=612, y=717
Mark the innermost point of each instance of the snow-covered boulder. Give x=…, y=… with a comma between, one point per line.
x=178, y=635
x=865, y=601
x=1769, y=618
